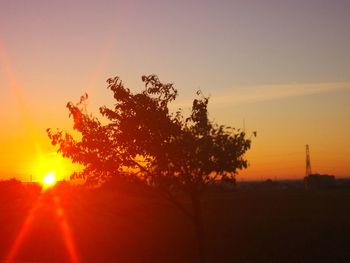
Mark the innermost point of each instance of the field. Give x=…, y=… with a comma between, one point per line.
x=130, y=224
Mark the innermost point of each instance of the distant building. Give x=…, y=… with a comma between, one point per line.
x=319, y=181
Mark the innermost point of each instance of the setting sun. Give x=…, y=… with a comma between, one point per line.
x=45, y=163
x=49, y=179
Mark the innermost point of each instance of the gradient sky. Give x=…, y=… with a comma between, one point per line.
x=282, y=67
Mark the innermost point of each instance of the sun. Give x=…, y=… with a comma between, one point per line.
x=49, y=179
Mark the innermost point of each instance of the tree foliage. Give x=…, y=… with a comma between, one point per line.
x=164, y=149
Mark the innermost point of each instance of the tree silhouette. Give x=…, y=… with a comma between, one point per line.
x=166, y=151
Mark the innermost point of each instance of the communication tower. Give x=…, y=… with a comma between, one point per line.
x=308, y=163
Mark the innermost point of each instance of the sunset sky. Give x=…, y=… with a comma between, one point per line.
x=282, y=67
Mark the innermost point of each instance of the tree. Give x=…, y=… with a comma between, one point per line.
x=164, y=150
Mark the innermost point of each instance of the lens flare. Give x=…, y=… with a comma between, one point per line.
x=49, y=179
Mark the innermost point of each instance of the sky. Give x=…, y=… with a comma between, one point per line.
x=278, y=67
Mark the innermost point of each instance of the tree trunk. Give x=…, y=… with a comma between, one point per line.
x=198, y=226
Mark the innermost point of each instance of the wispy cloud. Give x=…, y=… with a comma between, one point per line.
x=251, y=94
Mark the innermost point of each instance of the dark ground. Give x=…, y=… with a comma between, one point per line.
x=249, y=225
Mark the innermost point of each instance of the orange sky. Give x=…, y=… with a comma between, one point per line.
x=282, y=69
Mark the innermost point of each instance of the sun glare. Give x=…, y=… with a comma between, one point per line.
x=50, y=165
x=49, y=179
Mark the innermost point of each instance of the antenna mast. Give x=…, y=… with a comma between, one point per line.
x=308, y=162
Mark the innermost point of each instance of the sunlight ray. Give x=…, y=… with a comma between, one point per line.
x=16, y=90
x=66, y=232
x=100, y=67
x=23, y=231
x=62, y=222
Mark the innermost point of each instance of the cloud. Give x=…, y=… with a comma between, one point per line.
x=252, y=94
